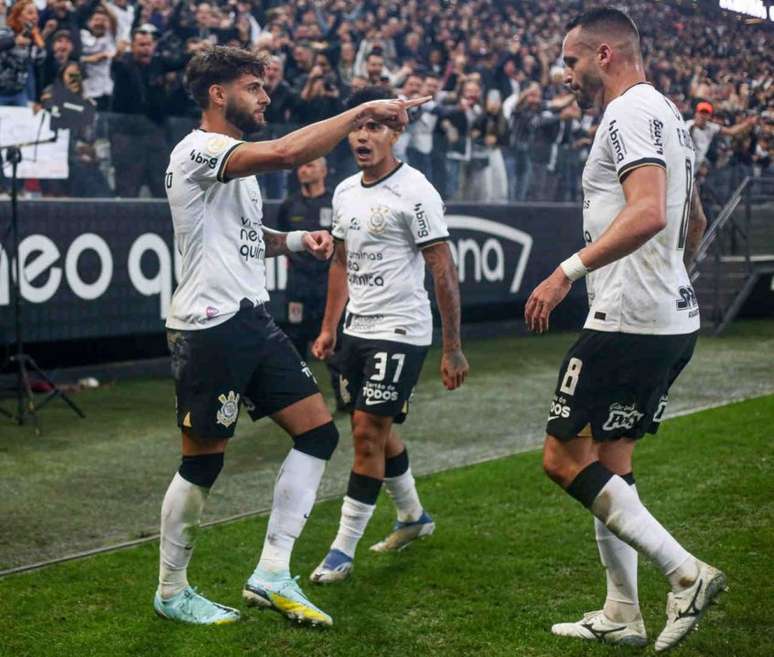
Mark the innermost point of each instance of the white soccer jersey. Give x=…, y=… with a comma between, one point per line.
x=647, y=291
x=217, y=233
x=385, y=225
x=702, y=138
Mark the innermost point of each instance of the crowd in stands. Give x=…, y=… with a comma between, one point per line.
x=501, y=127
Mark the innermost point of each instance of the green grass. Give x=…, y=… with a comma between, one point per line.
x=97, y=482
x=511, y=555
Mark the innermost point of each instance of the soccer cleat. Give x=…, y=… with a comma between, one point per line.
x=334, y=568
x=190, y=607
x=685, y=609
x=283, y=594
x=595, y=626
x=405, y=533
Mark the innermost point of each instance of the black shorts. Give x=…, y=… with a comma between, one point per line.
x=615, y=385
x=247, y=360
x=378, y=376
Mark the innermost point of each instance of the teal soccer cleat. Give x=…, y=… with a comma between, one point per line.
x=282, y=593
x=190, y=607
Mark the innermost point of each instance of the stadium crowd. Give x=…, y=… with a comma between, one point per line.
x=501, y=126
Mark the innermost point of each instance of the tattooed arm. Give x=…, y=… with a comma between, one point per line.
x=697, y=224
x=454, y=367
x=335, y=303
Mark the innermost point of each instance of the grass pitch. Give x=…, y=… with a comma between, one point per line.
x=98, y=482
x=512, y=555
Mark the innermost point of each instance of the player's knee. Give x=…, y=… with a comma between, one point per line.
x=319, y=442
x=554, y=466
x=201, y=469
x=369, y=441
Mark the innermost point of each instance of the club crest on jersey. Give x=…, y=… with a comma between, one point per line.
x=216, y=144
x=622, y=416
x=229, y=409
x=378, y=220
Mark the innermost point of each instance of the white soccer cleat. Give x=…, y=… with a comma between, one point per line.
x=336, y=567
x=595, y=626
x=685, y=609
x=405, y=533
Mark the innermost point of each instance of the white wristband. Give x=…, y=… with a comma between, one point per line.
x=295, y=240
x=574, y=268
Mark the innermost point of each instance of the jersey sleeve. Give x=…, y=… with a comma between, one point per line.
x=635, y=137
x=338, y=229
x=426, y=219
x=204, y=163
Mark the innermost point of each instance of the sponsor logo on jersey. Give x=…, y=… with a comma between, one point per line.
x=423, y=229
x=377, y=222
x=687, y=298
x=229, y=408
x=364, y=323
x=251, y=238
x=365, y=279
x=354, y=224
x=622, y=416
x=616, y=140
x=378, y=393
x=657, y=135
x=559, y=410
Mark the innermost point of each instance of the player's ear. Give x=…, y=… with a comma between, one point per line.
x=603, y=55
x=217, y=95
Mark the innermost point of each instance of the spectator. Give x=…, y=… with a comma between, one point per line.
x=138, y=141
x=22, y=51
x=457, y=125
x=62, y=51
x=703, y=131
x=98, y=47
x=490, y=135
x=124, y=12
x=85, y=176
x=61, y=15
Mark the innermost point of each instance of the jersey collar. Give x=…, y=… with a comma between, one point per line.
x=382, y=179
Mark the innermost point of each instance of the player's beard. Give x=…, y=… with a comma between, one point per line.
x=588, y=91
x=242, y=118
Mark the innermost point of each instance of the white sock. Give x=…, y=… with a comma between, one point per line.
x=620, y=562
x=354, y=520
x=181, y=513
x=620, y=509
x=294, y=495
x=403, y=491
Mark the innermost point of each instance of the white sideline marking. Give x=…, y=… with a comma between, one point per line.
x=258, y=512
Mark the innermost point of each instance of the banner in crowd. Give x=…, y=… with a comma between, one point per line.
x=93, y=269
x=48, y=159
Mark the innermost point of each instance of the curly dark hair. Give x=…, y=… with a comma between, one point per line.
x=219, y=65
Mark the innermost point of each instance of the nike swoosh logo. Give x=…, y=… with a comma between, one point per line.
x=553, y=417
x=373, y=402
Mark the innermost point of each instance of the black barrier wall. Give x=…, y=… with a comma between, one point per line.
x=99, y=269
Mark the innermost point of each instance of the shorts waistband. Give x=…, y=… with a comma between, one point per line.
x=259, y=308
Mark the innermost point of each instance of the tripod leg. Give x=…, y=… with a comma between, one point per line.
x=27, y=399
x=55, y=390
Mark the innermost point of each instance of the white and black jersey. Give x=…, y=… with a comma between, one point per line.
x=385, y=225
x=648, y=291
x=702, y=138
x=218, y=233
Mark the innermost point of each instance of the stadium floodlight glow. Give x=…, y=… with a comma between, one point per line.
x=754, y=8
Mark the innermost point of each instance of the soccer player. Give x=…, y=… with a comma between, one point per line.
x=388, y=223
x=225, y=347
x=640, y=216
